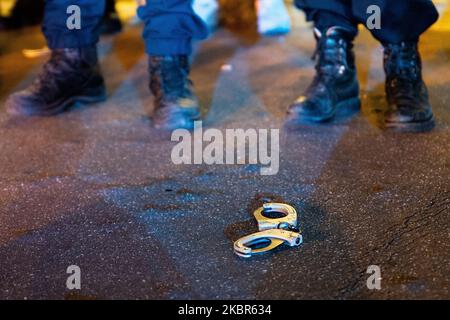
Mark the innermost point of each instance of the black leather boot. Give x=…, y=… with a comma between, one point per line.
x=176, y=106
x=335, y=84
x=70, y=76
x=406, y=93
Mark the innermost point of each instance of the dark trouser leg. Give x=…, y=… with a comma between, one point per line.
x=327, y=14
x=324, y=19
x=401, y=20
x=170, y=26
x=55, y=23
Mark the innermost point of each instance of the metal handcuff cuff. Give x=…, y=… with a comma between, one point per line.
x=272, y=231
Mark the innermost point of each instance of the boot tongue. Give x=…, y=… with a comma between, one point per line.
x=402, y=60
x=332, y=50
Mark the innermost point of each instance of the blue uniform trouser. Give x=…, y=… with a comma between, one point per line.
x=170, y=25
x=401, y=20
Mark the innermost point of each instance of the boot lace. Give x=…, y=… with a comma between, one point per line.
x=331, y=57
x=403, y=69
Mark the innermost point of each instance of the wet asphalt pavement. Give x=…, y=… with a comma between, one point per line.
x=96, y=187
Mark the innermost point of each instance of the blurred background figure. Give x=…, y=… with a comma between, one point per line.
x=111, y=21
x=23, y=13
x=272, y=15
x=208, y=11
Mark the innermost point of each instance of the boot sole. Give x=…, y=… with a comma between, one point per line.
x=188, y=125
x=344, y=107
x=90, y=96
x=411, y=127
x=84, y=99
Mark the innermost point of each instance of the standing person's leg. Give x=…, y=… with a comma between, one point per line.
x=273, y=16
x=335, y=84
x=402, y=23
x=72, y=74
x=170, y=27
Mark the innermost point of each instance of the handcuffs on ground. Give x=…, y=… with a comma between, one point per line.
x=272, y=231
